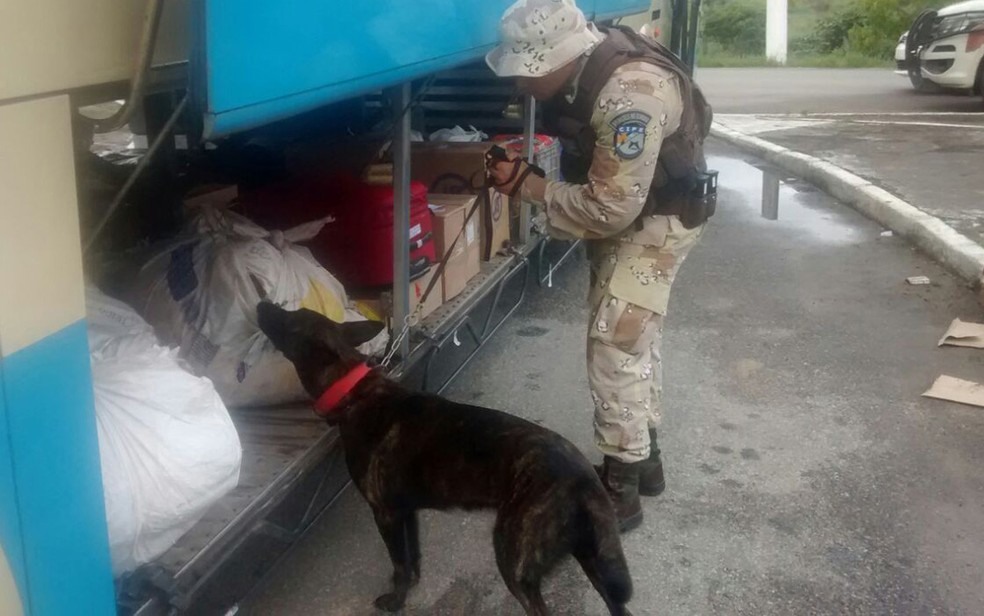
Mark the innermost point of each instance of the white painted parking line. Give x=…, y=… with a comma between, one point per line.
x=838, y=114
x=936, y=124
x=758, y=123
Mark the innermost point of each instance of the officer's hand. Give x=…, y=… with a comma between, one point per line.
x=504, y=174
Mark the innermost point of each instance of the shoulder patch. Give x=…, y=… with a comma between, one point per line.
x=630, y=134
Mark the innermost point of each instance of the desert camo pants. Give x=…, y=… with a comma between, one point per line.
x=629, y=294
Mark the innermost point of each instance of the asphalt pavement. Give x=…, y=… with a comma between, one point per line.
x=806, y=474
x=926, y=149
x=821, y=90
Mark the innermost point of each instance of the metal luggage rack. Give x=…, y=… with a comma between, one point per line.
x=462, y=316
x=292, y=471
x=465, y=315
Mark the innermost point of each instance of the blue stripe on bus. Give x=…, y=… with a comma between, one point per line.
x=52, y=436
x=10, y=534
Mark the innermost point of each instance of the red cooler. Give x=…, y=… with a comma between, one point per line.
x=358, y=246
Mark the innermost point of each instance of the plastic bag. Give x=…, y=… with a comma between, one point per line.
x=167, y=445
x=459, y=135
x=200, y=293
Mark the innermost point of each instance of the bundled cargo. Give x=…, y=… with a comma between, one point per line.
x=167, y=446
x=200, y=291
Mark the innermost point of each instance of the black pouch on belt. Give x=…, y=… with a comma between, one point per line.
x=702, y=200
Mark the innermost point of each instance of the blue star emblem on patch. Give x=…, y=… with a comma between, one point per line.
x=630, y=134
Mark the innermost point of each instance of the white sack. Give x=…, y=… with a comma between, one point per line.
x=200, y=293
x=167, y=446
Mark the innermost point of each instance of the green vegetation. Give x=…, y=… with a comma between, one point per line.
x=822, y=33
x=736, y=27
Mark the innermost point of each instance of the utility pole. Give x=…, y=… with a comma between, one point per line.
x=777, y=30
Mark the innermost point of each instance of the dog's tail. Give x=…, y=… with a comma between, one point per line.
x=600, y=552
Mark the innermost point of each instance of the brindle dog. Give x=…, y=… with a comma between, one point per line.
x=408, y=451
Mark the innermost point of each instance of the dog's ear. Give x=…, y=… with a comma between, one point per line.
x=356, y=333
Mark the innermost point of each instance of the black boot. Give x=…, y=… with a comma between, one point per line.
x=651, y=481
x=621, y=480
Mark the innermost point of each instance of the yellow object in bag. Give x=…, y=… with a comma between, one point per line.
x=323, y=301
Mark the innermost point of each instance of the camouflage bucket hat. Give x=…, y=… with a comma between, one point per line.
x=538, y=37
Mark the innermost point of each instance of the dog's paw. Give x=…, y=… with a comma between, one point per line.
x=390, y=602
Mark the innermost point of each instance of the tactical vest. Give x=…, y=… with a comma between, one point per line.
x=680, y=183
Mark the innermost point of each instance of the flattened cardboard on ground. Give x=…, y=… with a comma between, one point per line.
x=963, y=334
x=957, y=390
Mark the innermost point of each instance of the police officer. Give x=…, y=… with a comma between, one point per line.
x=632, y=125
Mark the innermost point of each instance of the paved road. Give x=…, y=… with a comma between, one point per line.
x=804, y=90
x=806, y=473
x=926, y=149
x=931, y=161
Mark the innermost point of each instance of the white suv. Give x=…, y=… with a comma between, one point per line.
x=945, y=47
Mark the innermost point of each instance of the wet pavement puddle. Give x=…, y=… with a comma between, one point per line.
x=782, y=200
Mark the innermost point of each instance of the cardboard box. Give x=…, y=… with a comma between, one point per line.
x=498, y=218
x=459, y=168
x=448, y=217
x=449, y=168
x=417, y=288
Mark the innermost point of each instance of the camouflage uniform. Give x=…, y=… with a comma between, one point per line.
x=632, y=269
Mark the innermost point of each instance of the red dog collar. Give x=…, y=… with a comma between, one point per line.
x=342, y=387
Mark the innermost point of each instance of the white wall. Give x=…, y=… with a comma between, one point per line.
x=56, y=45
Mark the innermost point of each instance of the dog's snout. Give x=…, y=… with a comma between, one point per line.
x=264, y=307
x=267, y=315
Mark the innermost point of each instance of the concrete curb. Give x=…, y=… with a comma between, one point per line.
x=955, y=251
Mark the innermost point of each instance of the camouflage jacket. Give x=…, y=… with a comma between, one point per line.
x=639, y=105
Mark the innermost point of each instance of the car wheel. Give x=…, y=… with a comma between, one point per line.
x=918, y=83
